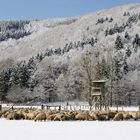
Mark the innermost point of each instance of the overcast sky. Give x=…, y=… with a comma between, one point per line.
x=42, y=9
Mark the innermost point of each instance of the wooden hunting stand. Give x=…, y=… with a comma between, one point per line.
x=98, y=93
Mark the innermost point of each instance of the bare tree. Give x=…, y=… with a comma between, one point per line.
x=88, y=62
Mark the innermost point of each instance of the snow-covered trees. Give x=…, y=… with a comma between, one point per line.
x=128, y=52
x=63, y=57
x=5, y=83
x=13, y=29
x=16, y=76
x=118, y=43
x=136, y=42
x=126, y=14
x=64, y=76
x=127, y=35
x=121, y=28
x=102, y=20
x=87, y=64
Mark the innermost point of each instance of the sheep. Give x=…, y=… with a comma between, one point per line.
x=30, y=116
x=93, y=116
x=62, y=115
x=101, y=116
x=70, y=115
x=83, y=116
x=40, y=117
x=5, y=114
x=135, y=115
x=13, y=116
x=22, y=115
x=118, y=117
x=59, y=117
x=127, y=116
x=111, y=115
x=51, y=117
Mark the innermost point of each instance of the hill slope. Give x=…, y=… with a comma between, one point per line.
x=57, y=51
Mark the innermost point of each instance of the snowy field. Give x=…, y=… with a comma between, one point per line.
x=77, y=130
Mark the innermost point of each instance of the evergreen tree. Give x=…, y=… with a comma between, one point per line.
x=4, y=83
x=125, y=14
x=104, y=69
x=128, y=52
x=125, y=67
x=39, y=56
x=136, y=42
x=101, y=70
x=98, y=71
x=106, y=32
x=15, y=75
x=24, y=75
x=118, y=43
x=127, y=35
x=117, y=76
x=31, y=64
x=111, y=19
x=117, y=69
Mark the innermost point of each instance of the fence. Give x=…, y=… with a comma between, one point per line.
x=69, y=107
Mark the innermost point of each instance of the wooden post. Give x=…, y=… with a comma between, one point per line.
x=100, y=103
x=95, y=106
x=117, y=108
x=70, y=107
x=12, y=108
x=0, y=107
x=90, y=108
x=106, y=108
x=47, y=107
x=59, y=108
x=66, y=108
x=139, y=113
x=42, y=106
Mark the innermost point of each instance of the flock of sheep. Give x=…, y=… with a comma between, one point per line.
x=65, y=115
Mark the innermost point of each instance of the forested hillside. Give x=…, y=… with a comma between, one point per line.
x=57, y=59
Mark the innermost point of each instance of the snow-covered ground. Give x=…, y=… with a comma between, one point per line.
x=77, y=130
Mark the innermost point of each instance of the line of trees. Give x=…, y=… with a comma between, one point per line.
x=56, y=76
x=121, y=28
x=13, y=29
